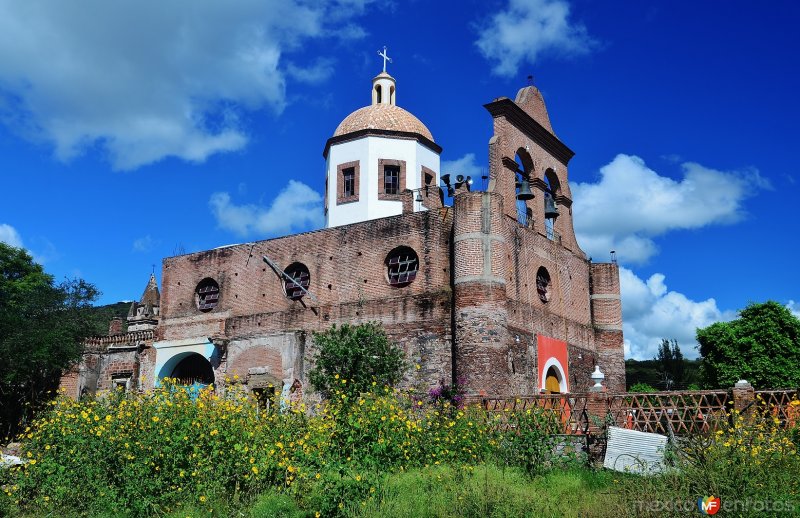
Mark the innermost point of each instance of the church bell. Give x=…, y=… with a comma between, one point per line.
x=524, y=190
x=550, y=209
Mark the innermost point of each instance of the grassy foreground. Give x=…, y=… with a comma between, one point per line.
x=167, y=453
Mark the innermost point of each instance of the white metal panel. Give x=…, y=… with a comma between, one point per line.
x=634, y=452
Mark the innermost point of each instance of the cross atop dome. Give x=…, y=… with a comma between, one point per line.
x=385, y=58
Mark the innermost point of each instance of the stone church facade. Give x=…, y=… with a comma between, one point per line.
x=487, y=287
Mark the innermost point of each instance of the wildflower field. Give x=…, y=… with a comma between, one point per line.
x=382, y=453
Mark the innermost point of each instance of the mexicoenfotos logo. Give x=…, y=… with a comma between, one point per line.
x=708, y=505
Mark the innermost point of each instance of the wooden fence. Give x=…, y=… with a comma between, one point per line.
x=669, y=413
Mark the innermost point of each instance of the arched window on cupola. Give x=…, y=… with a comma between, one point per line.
x=523, y=192
x=552, y=190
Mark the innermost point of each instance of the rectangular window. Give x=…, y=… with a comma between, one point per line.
x=391, y=179
x=349, y=178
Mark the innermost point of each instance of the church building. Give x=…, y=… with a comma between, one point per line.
x=488, y=287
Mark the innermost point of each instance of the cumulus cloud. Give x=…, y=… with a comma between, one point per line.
x=296, y=208
x=526, y=29
x=631, y=204
x=147, y=80
x=651, y=312
x=10, y=236
x=794, y=307
x=465, y=165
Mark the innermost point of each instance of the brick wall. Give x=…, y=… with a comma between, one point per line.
x=348, y=277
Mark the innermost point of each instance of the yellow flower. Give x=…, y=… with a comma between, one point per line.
x=255, y=470
x=202, y=498
x=155, y=419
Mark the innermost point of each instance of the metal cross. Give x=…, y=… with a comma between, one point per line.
x=385, y=58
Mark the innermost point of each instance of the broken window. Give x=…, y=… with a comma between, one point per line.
x=402, y=265
x=543, y=284
x=300, y=279
x=207, y=294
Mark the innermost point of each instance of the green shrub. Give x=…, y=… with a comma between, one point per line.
x=350, y=358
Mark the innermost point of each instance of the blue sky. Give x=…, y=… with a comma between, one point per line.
x=131, y=132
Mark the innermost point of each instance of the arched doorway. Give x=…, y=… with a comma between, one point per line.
x=193, y=369
x=551, y=381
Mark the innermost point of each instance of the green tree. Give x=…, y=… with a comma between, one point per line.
x=671, y=366
x=358, y=354
x=761, y=346
x=42, y=325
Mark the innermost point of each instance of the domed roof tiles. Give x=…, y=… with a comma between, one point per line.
x=382, y=117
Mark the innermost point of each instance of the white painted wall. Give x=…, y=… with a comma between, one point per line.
x=367, y=151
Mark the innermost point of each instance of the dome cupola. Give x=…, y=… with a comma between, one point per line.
x=376, y=154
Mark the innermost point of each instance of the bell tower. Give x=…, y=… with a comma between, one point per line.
x=528, y=166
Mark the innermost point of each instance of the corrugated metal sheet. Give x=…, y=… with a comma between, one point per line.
x=634, y=452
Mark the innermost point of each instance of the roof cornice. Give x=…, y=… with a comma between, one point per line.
x=505, y=107
x=375, y=132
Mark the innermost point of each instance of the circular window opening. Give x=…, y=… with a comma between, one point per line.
x=402, y=265
x=543, y=284
x=300, y=279
x=207, y=294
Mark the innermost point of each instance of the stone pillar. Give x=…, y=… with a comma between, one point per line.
x=743, y=397
x=480, y=267
x=606, y=306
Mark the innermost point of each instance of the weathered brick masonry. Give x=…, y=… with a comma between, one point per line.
x=501, y=280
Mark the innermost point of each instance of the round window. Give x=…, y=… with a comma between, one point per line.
x=296, y=288
x=402, y=265
x=207, y=294
x=543, y=284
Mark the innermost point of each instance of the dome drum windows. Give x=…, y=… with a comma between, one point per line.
x=207, y=295
x=391, y=179
x=402, y=265
x=347, y=182
x=296, y=288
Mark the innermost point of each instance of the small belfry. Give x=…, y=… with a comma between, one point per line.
x=381, y=161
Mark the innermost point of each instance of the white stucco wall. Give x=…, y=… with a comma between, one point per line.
x=367, y=151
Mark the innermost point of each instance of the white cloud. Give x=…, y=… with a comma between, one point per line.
x=528, y=28
x=794, y=307
x=10, y=236
x=296, y=208
x=143, y=244
x=631, y=204
x=316, y=73
x=465, y=165
x=147, y=80
x=651, y=312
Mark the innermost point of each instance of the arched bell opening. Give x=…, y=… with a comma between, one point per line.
x=522, y=185
x=552, y=189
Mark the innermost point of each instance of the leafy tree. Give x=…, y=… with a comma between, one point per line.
x=671, y=364
x=761, y=346
x=642, y=387
x=350, y=358
x=42, y=325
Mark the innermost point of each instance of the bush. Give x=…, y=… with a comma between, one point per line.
x=352, y=358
